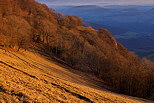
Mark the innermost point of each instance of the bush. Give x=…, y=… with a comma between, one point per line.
x=70, y=21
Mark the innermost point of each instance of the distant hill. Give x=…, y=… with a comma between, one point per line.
x=113, y=30
x=88, y=7
x=111, y=16
x=84, y=9
x=151, y=10
x=121, y=20
x=138, y=7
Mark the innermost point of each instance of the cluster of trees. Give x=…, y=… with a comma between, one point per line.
x=84, y=48
x=15, y=32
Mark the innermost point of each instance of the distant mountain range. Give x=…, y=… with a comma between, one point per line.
x=128, y=18
x=121, y=21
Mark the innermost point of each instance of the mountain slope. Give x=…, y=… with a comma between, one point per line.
x=120, y=22
x=29, y=77
x=26, y=24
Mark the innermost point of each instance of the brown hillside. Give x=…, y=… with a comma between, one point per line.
x=27, y=77
x=29, y=25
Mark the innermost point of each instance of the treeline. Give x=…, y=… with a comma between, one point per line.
x=84, y=48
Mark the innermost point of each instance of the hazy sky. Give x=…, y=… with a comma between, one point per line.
x=97, y=2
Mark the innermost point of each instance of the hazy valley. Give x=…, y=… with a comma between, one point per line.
x=131, y=25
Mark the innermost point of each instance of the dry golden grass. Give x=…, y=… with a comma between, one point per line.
x=29, y=77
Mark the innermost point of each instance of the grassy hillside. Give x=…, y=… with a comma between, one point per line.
x=29, y=77
x=26, y=24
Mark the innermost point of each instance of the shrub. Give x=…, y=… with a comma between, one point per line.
x=70, y=21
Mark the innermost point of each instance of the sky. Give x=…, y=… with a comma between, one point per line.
x=96, y=2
